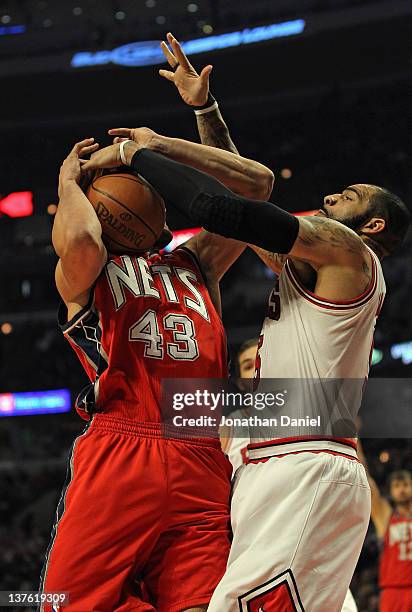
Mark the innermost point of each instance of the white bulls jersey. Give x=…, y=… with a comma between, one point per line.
x=308, y=338
x=236, y=443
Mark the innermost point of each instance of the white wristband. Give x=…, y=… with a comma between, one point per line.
x=122, y=155
x=203, y=111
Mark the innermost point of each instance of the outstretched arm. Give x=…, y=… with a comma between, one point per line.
x=215, y=253
x=214, y=132
x=194, y=90
x=219, y=157
x=380, y=509
x=244, y=176
x=323, y=243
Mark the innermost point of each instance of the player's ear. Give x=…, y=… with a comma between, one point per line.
x=374, y=226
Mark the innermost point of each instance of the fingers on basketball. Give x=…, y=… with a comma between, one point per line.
x=132, y=214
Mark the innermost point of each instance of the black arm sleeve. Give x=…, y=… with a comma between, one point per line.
x=207, y=202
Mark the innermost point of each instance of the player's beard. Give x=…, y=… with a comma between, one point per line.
x=356, y=222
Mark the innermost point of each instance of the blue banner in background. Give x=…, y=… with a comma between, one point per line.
x=35, y=402
x=149, y=53
x=12, y=29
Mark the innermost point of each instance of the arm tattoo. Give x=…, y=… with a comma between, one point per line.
x=213, y=131
x=317, y=231
x=328, y=235
x=367, y=272
x=274, y=261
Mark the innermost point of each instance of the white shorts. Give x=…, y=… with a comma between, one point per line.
x=299, y=522
x=349, y=605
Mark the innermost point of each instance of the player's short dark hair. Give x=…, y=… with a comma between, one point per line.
x=399, y=475
x=246, y=345
x=390, y=207
x=243, y=347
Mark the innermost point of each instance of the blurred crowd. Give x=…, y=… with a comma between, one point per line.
x=383, y=457
x=27, y=502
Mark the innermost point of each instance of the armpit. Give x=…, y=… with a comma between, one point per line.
x=274, y=261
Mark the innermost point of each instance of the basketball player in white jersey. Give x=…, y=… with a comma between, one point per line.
x=189, y=83
x=234, y=443
x=301, y=506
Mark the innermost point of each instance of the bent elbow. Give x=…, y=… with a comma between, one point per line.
x=270, y=181
x=264, y=184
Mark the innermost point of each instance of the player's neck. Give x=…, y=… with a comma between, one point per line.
x=375, y=246
x=404, y=509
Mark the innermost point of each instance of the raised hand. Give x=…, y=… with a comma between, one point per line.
x=71, y=169
x=193, y=87
x=141, y=136
x=108, y=157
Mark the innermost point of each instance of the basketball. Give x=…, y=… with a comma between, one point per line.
x=131, y=213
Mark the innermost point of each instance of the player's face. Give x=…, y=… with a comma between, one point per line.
x=401, y=490
x=351, y=207
x=247, y=362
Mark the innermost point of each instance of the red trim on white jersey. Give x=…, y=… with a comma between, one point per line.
x=280, y=441
x=262, y=451
x=332, y=304
x=316, y=452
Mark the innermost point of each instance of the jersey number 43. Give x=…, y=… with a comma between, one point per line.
x=150, y=331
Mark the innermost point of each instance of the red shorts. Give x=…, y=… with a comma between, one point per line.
x=139, y=510
x=396, y=600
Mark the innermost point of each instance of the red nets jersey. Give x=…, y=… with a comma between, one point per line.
x=150, y=317
x=396, y=559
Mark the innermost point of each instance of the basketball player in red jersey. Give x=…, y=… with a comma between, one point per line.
x=393, y=525
x=137, y=504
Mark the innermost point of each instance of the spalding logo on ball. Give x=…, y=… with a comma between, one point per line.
x=132, y=214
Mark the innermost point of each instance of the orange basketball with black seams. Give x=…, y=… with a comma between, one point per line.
x=131, y=213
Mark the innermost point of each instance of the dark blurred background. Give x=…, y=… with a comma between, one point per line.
x=323, y=109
